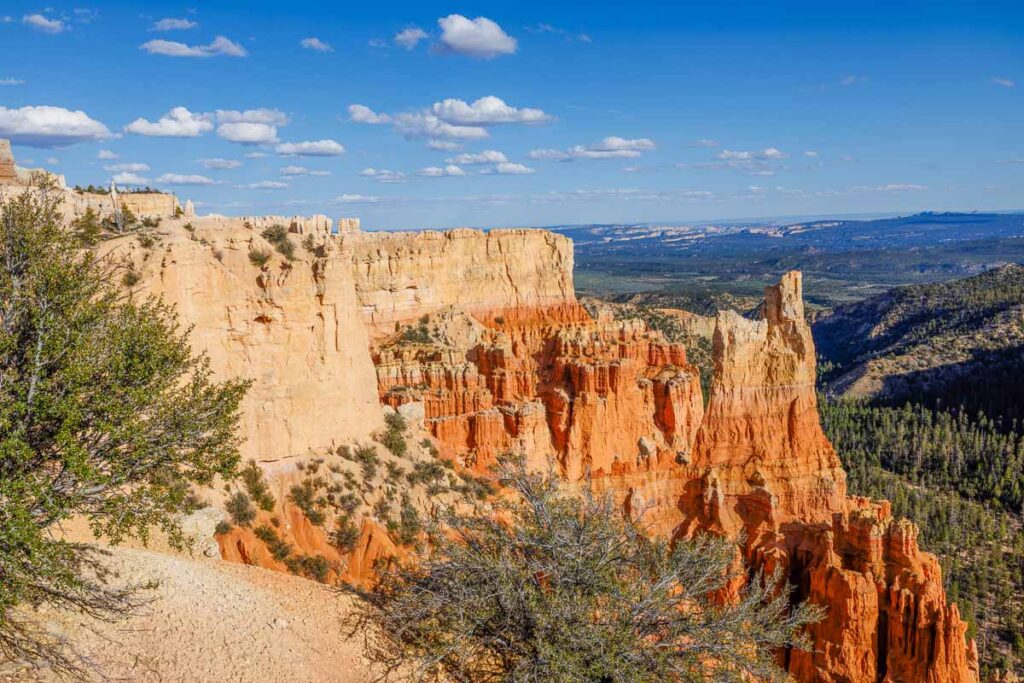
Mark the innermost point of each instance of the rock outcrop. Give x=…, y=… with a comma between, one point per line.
x=613, y=399
x=501, y=273
x=479, y=336
x=287, y=325
x=8, y=173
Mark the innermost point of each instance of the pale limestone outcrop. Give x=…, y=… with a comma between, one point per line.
x=402, y=276
x=289, y=326
x=8, y=173
x=317, y=224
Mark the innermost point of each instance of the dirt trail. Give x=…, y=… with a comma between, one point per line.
x=216, y=621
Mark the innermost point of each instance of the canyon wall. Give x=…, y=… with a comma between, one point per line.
x=613, y=399
x=479, y=339
x=401, y=276
x=287, y=325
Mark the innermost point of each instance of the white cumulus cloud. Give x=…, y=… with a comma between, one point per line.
x=218, y=163
x=451, y=170
x=768, y=153
x=266, y=185
x=11, y=81
x=480, y=37
x=360, y=113
x=302, y=170
x=410, y=37
x=488, y=156
x=173, y=24
x=383, y=175
x=357, y=199
x=184, y=179
x=247, y=133
x=273, y=117
x=612, y=147
x=219, y=46
x=47, y=126
x=106, y=155
x=508, y=168
x=311, y=148
x=314, y=43
x=444, y=145
x=177, y=123
x=130, y=168
x=426, y=124
x=1005, y=82
x=45, y=24
x=129, y=179
x=485, y=111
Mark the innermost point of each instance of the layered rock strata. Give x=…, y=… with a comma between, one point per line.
x=484, y=332
x=287, y=325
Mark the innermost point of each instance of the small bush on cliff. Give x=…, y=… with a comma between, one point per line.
x=306, y=497
x=104, y=413
x=87, y=228
x=563, y=588
x=259, y=257
x=256, y=485
x=277, y=235
x=393, y=437
x=240, y=508
x=345, y=534
x=279, y=548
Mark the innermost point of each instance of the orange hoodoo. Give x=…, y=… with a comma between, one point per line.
x=614, y=399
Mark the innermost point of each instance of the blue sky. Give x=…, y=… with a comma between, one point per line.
x=526, y=113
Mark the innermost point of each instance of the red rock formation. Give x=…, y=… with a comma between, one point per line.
x=599, y=396
x=762, y=466
x=620, y=403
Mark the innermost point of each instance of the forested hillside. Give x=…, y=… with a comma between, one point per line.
x=925, y=406
x=944, y=345
x=961, y=479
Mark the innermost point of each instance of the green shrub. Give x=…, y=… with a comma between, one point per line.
x=345, y=534
x=426, y=473
x=393, y=437
x=277, y=235
x=240, y=507
x=280, y=549
x=256, y=485
x=87, y=228
x=305, y=496
x=130, y=278
x=316, y=567
x=259, y=257
x=571, y=590
x=223, y=527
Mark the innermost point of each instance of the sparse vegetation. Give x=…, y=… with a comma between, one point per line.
x=277, y=235
x=306, y=496
x=88, y=228
x=259, y=257
x=240, y=507
x=279, y=549
x=393, y=437
x=130, y=278
x=569, y=590
x=104, y=413
x=345, y=534
x=256, y=484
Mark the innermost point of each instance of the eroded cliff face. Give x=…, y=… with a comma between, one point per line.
x=286, y=325
x=479, y=339
x=763, y=468
x=615, y=400
x=401, y=276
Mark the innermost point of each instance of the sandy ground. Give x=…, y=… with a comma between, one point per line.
x=216, y=621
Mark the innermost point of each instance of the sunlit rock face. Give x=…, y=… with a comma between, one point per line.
x=479, y=337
